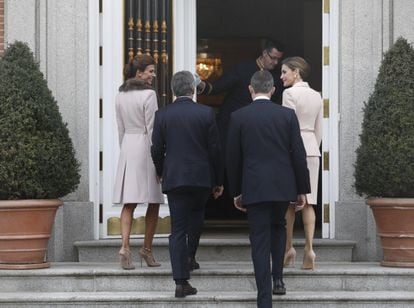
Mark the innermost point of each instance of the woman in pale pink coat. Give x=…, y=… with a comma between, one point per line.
x=307, y=104
x=136, y=180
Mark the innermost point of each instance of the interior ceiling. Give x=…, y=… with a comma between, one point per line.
x=297, y=23
x=246, y=18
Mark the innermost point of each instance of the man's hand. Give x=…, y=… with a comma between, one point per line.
x=238, y=203
x=200, y=87
x=300, y=203
x=217, y=191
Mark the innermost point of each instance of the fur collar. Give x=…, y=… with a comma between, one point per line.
x=134, y=84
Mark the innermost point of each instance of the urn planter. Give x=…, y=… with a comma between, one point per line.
x=394, y=218
x=25, y=228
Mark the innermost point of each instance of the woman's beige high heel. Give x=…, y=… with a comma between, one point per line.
x=309, y=260
x=125, y=259
x=290, y=257
x=146, y=254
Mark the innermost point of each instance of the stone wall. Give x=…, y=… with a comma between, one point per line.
x=1, y=27
x=367, y=29
x=57, y=33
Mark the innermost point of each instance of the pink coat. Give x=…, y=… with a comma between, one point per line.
x=135, y=180
x=307, y=104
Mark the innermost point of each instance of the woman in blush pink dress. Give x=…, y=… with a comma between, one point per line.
x=307, y=104
x=136, y=180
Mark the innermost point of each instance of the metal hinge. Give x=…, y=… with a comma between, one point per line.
x=326, y=107
x=326, y=6
x=326, y=161
x=326, y=55
x=326, y=213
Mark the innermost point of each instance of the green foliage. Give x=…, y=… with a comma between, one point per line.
x=385, y=157
x=37, y=158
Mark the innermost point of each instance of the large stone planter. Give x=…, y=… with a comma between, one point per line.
x=25, y=227
x=395, y=224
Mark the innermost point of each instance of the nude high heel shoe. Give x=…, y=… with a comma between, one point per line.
x=290, y=257
x=126, y=260
x=308, y=260
x=146, y=254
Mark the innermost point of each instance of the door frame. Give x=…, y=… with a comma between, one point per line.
x=105, y=79
x=331, y=118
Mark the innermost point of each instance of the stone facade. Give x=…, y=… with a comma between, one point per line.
x=367, y=29
x=57, y=31
x=1, y=27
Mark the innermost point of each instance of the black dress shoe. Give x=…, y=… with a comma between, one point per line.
x=279, y=287
x=192, y=264
x=182, y=290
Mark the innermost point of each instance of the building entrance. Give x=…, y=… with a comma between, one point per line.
x=231, y=32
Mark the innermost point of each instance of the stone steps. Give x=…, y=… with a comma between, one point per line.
x=381, y=299
x=220, y=284
x=221, y=276
x=219, y=247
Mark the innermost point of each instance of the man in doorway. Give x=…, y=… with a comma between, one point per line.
x=235, y=84
x=266, y=169
x=187, y=156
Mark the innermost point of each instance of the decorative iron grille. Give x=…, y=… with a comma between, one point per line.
x=148, y=30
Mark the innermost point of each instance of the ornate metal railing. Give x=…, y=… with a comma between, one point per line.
x=148, y=30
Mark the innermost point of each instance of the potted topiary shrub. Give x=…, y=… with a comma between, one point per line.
x=384, y=169
x=37, y=160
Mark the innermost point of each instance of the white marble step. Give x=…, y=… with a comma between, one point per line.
x=381, y=299
x=219, y=247
x=212, y=277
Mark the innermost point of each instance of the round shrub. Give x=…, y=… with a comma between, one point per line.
x=385, y=158
x=37, y=158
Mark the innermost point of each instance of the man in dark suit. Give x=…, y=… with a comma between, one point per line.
x=235, y=84
x=266, y=168
x=187, y=156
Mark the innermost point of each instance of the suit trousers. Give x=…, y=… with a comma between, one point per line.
x=268, y=239
x=187, y=207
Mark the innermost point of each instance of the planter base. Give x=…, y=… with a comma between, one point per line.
x=24, y=266
x=25, y=228
x=397, y=264
x=394, y=219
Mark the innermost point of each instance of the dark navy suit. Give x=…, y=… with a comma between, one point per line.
x=187, y=155
x=266, y=164
x=236, y=85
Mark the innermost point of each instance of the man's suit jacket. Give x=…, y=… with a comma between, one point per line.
x=235, y=83
x=186, y=146
x=266, y=159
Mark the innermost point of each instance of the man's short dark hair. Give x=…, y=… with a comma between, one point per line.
x=262, y=82
x=183, y=83
x=268, y=45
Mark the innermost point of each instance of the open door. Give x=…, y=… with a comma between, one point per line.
x=128, y=28
x=228, y=33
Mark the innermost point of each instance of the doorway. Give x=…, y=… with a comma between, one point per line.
x=230, y=32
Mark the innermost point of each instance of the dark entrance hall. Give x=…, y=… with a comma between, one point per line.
x=230, y=32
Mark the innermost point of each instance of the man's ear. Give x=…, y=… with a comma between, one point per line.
x=272, y=91
x=251, y=90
